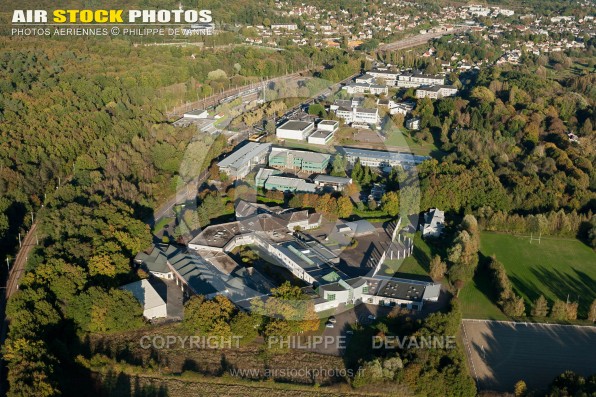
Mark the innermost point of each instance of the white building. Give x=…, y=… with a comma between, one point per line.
x=365, y=88
x=436, y=91
x=413, y=124
x=294, y=129
x=365, y=79
x=196, y=114
x=346, y=103
x=414, y=80
x=358, y=115
x=336, y=183
x=381, y=158
x=324, y=133
x=434, y=223
x=388, y=76
x=239, y=164
x=202, y=29
x=400, y=107
x=284, y=26
x=154, y=306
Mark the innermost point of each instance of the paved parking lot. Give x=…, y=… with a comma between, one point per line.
x=345, y=318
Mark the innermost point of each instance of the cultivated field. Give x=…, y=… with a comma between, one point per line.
x=502, y=353
x=558, y=268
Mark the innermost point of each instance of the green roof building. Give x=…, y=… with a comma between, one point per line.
x=298, y=160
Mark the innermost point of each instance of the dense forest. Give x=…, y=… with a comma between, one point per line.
x=85, y=145
x=505, y=144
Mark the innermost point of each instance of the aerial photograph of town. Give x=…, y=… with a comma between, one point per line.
x=289, y=198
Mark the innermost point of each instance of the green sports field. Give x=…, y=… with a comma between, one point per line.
x=558, y=268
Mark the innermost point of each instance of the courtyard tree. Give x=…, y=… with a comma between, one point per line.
x=390, y=203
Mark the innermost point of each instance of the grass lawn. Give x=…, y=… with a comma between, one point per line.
x=478, y=297
x=416, y=266
x=397, y=138
x=557, y=268
x=161, y=224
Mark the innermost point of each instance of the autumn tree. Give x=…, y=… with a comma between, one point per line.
x=390, y=203
x=30, y=368
x=209, y=317
x=540, y=308
x=559, y=310
x=514, y=306
x=520, y=389
x=344, y=207
x=592, y=312
x=438, y=268
x=571, y=310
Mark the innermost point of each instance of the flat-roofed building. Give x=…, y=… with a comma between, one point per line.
x=378, y=290
x=321, y=137
x=295, y=129
x=336, y=183
x=346, y=103
x=365, y=88
x=358, y=115
x=263, y=175
x=284, y=26
x=196, y=114
x=436, y=91
x=388, y=76
x=328, y=125
x=365, y=79
x=241, y=162
x=287, y=184
x=308, y=260
x=324, y=133
x=400, y=107
x=381, y=158
x=414, y=80
x=299, y=160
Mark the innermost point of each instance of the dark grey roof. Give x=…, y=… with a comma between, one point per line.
x=332, y=179
x=244, y=154
x=295, y=125
x=399, y=288
x=384, y=155
x=156, y=259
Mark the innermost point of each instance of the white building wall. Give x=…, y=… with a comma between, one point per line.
x=156, y=312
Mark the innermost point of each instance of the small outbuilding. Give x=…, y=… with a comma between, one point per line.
x=154, y=306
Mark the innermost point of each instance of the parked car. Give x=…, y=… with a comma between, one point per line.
x=329, y=325
x=372, y=317
x=332, y=319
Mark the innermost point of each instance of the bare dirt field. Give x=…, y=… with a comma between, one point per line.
x=501, y=353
